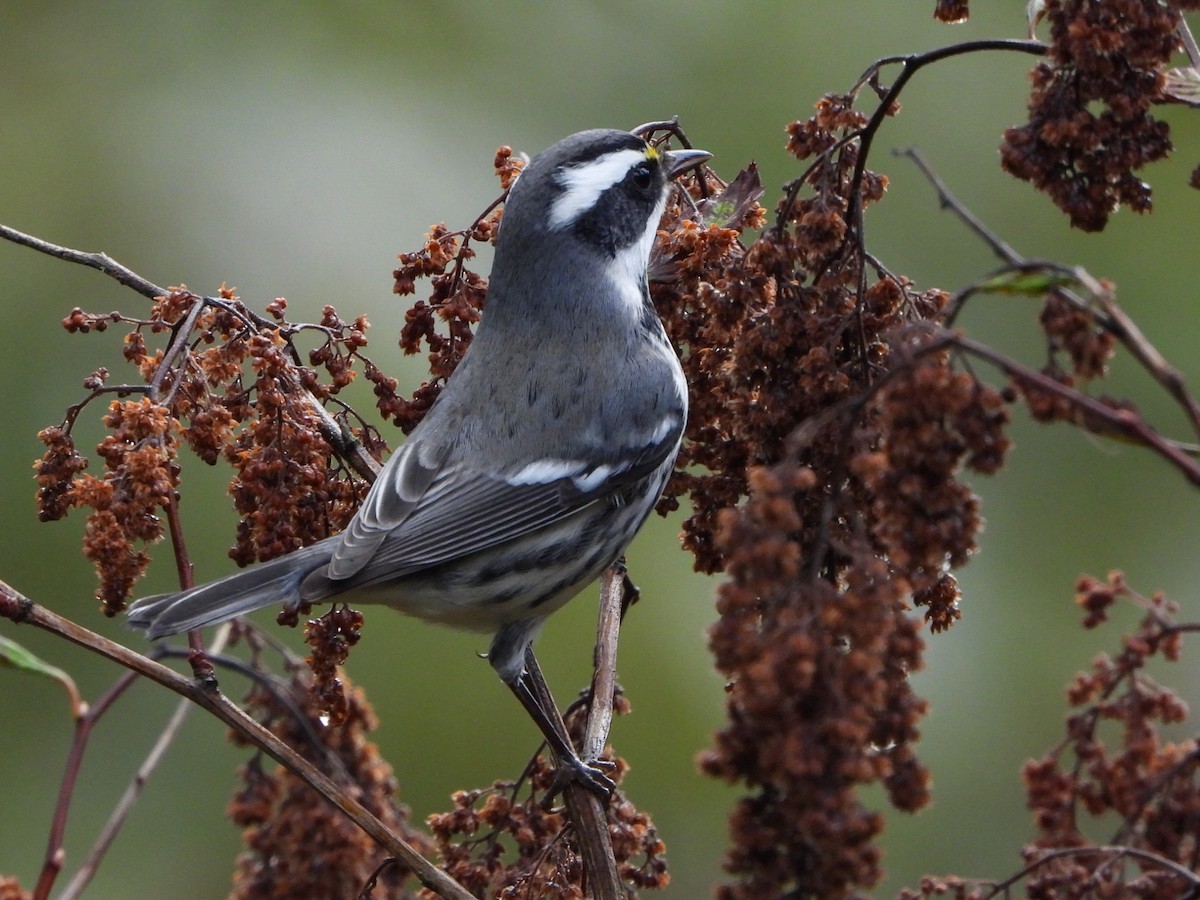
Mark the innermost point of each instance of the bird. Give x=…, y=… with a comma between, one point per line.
x=544, y=453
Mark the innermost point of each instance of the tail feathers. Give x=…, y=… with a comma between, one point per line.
x=266, y=584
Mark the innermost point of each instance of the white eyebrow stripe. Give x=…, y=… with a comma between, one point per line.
x=583, y=184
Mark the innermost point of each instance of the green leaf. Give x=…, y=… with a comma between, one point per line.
x=14, y=655
x=1028, y=283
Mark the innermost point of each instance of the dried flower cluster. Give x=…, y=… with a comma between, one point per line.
x=951, y=11
x=832, y=422
x=331, y=636
x=140, y=479
x=456, y=297
x=503, y=842
x=1090, y=127
x=1074, y=332
x=288, y=488
x=228, y=384
x=822, y=403
x=297, y=843
x=1115, y=760
x=831, y=425
x=1114, y=765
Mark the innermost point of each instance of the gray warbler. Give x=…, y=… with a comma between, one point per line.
x=544, y=453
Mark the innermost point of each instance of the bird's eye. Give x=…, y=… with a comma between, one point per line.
x=642, y=179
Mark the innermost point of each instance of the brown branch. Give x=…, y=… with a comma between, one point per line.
x=910, y=65
x=1093, y=415
x=1170, y=378
x=1123, y=422
x=362, y=462
x=133, y=791
x=1142, y=856
x=604, y=672
x=100, y=261
x=1109, y=315
x=84, y=725
x=947, y=200
x=585, y=810
x=22, y=610
x=347, y=448
x=176, y=346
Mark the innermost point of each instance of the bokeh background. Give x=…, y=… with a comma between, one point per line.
x=292, y=149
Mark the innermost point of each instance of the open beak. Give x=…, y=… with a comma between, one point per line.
x=681, y=160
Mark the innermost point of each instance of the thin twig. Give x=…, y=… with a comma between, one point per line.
x=273, y=685
x=55, y=854
x=910, y=65
x=177, y=345
x=133, y=791
x=791, y=189
x=947, y=200
x=1142, y=856
x=1170, y=378
x=1090, y=414
x=350, y=450
x=585, y=810
x=101, y=261
x=22, y=610
x=1108, y=315
x=604, y=673
x=1093, y=413
x=671, y=125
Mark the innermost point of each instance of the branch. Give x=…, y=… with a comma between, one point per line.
x=1121, y=422
x=604, y=673
x=1109, y=316
x=347, y=448
x=585, y=810
x=1170, y=378
x=55, y=854
x=1142, y=856
x=1093, y=415
x=947, y=200
x=101, y=261
x=603, y=875
x=22, y=610
x=910, y=66
x=116, y=819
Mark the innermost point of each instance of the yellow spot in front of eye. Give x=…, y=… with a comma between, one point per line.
x=652, y=154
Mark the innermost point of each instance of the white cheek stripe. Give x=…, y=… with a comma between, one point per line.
x=627, y=270
x=583, y=185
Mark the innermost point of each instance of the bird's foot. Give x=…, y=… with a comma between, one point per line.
x=590, y=775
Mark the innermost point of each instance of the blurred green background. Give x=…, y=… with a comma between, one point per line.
x=293, y=149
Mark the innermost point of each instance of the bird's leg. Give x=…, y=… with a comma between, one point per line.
x=533, y=692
